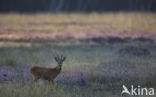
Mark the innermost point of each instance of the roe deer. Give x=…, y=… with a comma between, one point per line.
x=47, y=73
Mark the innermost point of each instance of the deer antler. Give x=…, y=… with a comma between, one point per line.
x=61, y=58
x=56, y=58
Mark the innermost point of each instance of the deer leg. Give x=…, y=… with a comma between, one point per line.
x=51, y=82
x=53, y=86
x=35, y=79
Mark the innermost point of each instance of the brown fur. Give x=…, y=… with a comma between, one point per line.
x=47, y=73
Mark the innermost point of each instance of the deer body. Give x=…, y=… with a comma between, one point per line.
x=47, y=73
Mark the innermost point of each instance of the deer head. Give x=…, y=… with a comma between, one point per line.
x=59, y=60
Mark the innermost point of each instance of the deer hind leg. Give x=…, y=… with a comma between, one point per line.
x=35, y=79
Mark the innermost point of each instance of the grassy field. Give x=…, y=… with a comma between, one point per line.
x=74, y=26
x=95, y=66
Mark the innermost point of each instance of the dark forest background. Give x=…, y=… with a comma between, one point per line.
x=76, y=5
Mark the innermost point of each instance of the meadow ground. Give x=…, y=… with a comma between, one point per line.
x=104, y=51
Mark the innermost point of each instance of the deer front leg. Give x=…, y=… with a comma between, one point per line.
x=51, y=82
x=51, y=85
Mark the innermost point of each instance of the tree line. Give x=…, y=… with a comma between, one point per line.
x=76, y=5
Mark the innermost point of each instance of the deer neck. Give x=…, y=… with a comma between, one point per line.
x=58, y=68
